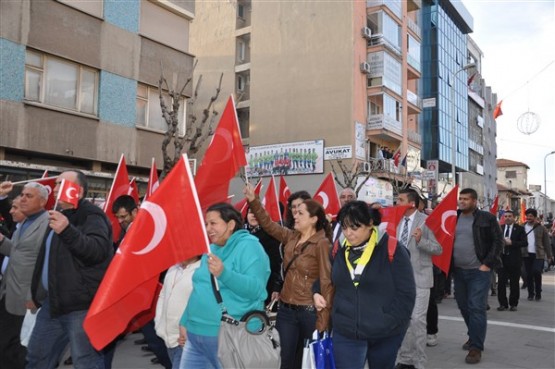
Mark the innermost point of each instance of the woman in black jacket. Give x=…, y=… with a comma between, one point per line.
x=374, y=292
x=272, y=248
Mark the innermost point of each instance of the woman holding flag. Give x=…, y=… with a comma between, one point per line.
x=305, y=260
x=241, y=269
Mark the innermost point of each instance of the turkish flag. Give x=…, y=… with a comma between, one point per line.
x=495, y=206
x=327, y=196
x=284, y=194
x=243, y=205
x=153, y=181
x=69, y=193
x=271, y=202
x=391, y=217
x=49, y=183
x=497, y=112
x=222, y=159
x=120, y=186
x=168, y=229
x=443, y=221
x=133, y=190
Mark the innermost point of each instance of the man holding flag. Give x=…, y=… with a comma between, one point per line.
x=74, y=256
x=476, y=251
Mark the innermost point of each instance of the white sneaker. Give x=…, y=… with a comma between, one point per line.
x=431, y=340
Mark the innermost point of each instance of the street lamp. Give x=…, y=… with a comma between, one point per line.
x=453, y=121
x=545, y=186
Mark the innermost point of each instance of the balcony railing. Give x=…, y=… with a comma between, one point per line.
x=414, y=99
x=379, y=39
x=414, y=27
x=380, y=121
x=415, y=137
x=377, y=165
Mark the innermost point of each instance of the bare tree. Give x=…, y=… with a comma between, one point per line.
x=198, y=128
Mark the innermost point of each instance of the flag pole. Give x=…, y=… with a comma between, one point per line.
x=58, y=196
x=32, y=180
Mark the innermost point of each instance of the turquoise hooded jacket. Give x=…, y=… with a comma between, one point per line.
x=242, y=284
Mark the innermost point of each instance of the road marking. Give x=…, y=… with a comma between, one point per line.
x=504, y=324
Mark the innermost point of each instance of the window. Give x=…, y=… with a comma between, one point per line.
x=60, y=83
x=149, y=113
x=240, y=83
x=510, y=174
x=241, y=11
x=241, y=50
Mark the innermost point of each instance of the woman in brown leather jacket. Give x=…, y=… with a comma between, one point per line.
x=305, y=260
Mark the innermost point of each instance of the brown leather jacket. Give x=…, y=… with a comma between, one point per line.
x=311, y=265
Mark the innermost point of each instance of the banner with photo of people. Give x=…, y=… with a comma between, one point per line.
x=306, y=157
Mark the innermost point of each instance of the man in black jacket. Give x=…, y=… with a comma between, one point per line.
x=74, y=256
x=478, y=243
x=514, y=239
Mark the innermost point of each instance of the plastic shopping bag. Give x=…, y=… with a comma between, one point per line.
x=323, y=352
x=308, y=355
x=27, y=327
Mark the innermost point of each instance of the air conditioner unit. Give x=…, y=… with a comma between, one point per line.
x=366, y=167
x=365, y=67
x=366, y=33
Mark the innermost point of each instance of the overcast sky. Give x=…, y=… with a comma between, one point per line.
x=518, y=41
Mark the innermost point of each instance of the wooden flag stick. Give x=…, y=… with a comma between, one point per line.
x=33, y=180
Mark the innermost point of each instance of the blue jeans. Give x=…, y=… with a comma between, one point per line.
x=471, y=293
x=200, y=352
x=352, y=354
x=294, y=326
x=51, y=335
x=175, y=354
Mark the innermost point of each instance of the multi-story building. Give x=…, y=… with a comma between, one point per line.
x=78, y=84
x=445, y=25
x=343, y=72
x=482, y=132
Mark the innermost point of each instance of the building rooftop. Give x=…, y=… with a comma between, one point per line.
x=504, y=163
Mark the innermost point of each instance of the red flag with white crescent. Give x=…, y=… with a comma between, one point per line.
x=284, y=193
x=168, y=229
x=120, y=186
x=133, y=190
x=222, y=159
x=271, y=202
x=153, y=181
x=49, y=183
x=326, y=195
x=495, y=206
x=443, y=221
x=243, y=205
x=69, y=192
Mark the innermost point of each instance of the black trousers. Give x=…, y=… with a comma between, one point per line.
x=533, y=274
x=510, y=274
x=432, y=314
x=12, y=354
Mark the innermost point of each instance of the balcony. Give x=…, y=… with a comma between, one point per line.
x=413, y=5
x=414, y=137
x=415, y=102
x=379, y=39
x=393, y=6
x=384, y=122
x=414, y=27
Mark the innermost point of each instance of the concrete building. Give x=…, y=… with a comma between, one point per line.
x=79, y=84
x=482, y=132
x=512, y=184
x=343, y=72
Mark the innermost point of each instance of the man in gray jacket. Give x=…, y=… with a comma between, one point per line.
x=15, y=288
x=422, y=244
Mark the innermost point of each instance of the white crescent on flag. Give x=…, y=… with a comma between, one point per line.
x=444, y=216
x=69, y=192
x=228, y=139
x=285, y=190
x=160, y=223
x=325, y=199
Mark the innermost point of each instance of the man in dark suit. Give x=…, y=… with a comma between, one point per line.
x=515, y=239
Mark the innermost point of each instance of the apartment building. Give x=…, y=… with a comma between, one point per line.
x=79, y=84
x=335, y=74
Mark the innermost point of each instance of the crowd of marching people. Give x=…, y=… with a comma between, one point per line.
x=372, y=285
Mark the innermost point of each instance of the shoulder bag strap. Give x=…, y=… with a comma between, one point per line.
x=305, y=245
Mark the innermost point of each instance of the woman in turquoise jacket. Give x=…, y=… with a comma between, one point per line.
x=241, y=267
